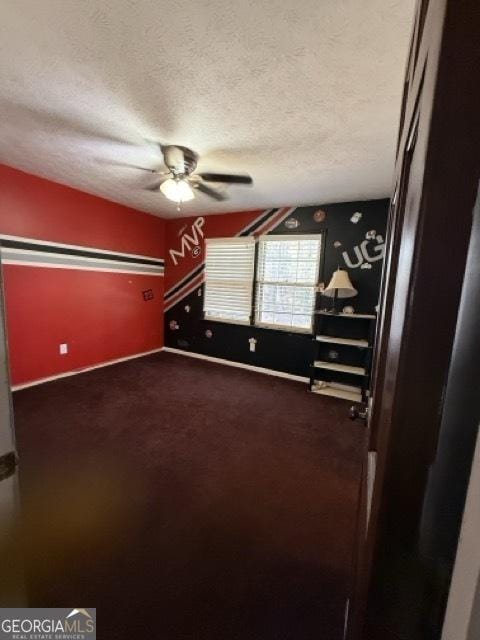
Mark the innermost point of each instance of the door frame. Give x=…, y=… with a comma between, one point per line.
x=12, y=589
x=427, y=242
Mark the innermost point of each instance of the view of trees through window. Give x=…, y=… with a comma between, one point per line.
x=287, y=276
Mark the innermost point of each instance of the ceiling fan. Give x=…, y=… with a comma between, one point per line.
x=180, y=181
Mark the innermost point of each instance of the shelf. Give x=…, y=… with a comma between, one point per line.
x=353, y=394
x=358, y=316
x=363, y=344
x=344, y=368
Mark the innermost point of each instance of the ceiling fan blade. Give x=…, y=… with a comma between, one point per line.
x=116, y=163
x=158, y=146
x=226, y=177
x=155, y=186
x=208, y=191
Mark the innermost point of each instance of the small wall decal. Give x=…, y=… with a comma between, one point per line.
x=370, y=235
x=319, y=215
x=187, y=308
x=333, y=355
x=174, y=326
x=252, y=342
x=196, y=251
x=348, y=309
x=147, y=294
x=337, y=244
x=292, y=223
x=208, y=333
x=357, y=216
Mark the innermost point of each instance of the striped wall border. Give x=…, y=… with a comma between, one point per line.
x=20, y=251
x=263, y=224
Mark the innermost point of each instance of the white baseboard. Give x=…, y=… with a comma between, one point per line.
x=239, y=365
x=66, y=374
x=191, y=354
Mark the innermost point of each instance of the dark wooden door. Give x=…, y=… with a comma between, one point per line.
x=397, y=593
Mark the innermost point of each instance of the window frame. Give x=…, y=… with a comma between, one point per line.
x=252, y=322
x=320, y=258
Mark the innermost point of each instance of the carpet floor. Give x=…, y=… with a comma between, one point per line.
x=189, y=500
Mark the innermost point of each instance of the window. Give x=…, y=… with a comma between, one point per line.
x=287, y=276
x=229, y=268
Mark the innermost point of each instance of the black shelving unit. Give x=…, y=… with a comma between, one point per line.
x=342, y=355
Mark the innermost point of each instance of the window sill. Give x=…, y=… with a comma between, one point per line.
x=258, y=325
x=279, y=327
x=243, y=323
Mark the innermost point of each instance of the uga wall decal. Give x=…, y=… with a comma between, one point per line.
x=362, y=252
x=348, y=245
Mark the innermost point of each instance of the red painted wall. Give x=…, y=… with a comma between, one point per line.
x=37, y=208
x=101, y=315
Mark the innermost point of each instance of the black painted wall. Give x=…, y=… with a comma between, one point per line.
x=281, y=350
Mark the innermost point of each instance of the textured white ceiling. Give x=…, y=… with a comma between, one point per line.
x=303, y=95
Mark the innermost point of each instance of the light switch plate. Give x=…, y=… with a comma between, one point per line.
x=63, y=348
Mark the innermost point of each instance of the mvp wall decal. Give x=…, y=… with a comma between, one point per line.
x=189, y=242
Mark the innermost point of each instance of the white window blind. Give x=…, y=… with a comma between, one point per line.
x=229, y=269
x=287, y=276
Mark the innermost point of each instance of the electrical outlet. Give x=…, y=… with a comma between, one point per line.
x=63, y=348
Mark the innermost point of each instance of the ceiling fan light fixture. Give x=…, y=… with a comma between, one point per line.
x=177, y=190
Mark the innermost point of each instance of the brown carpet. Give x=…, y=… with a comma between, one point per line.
x=189, y=500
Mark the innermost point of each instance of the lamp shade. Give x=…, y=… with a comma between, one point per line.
x=340, y=283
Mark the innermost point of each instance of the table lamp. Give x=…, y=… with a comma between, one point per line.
x=339, y=286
